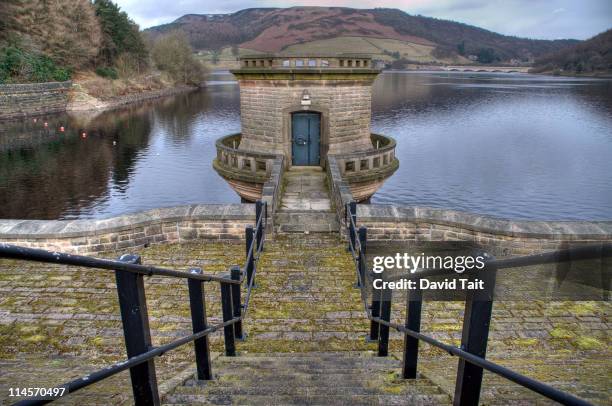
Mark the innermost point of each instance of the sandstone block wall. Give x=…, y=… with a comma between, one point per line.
x=158, y=226
x=20, y=100
x=266, y=107
x=500, y=237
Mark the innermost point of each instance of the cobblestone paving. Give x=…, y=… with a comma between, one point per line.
x=58, y=323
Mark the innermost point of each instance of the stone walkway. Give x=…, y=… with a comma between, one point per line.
x=58, y=323
x=305, y=203
x=305, y=189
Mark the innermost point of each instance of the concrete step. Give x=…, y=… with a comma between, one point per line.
x=305, y=169
x=317, y=378
x=281, y=388
x=306, y=221
x=301, y=400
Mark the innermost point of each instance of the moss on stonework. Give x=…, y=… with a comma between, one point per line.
x=588, y=343
x=305, y=301
x=561, y=333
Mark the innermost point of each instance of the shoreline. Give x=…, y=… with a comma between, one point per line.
x=40, y=99
x=92, y=104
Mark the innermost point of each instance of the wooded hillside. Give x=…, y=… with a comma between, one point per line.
x=50, y=40
x=593, y=56
x=275, y=29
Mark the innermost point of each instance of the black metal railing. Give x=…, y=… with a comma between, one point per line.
x=129, y=273
x=476, y=322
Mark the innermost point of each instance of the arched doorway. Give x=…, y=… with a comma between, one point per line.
x=305, y=138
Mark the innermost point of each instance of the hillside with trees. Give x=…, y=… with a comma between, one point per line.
x=591, y=57
x=276, y=29
x=93, y=41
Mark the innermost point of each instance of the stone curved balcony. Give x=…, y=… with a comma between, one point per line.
x=245, y=171
x=366, y=171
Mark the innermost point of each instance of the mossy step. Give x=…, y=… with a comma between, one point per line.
x=252, y=378
x=302, y=355
x=314, y=368
x=321, y=364
x=281, y=388
x=355, y=400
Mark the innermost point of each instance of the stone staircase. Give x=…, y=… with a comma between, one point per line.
x=305, y=204
x=316, y=378
x=305, y=339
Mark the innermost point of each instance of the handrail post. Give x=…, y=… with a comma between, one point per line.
x=476, y=322
x=385, y=314
x=228, y=314
x=236, y=301
x=265, y=220
x=135, y=319
x=414, y=304
x=352, y=206
x=363, y=236
x=259, y=230
x=197, y=302
x=375, y=311
x=250, y=263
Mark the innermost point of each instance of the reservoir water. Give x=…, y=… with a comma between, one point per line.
x=508, y=145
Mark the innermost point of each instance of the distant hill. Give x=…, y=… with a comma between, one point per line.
x=593, y=56
x=278, y=29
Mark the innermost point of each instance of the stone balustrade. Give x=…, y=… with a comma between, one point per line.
x=365, y=171
x=243, y=163
x=246, y=171
x=382, y=156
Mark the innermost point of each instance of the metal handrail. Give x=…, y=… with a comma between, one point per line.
x=535, y=385
x=252, y=258
x=577, y=253
x=135, y=303
x=114, y=369
x=38, y=255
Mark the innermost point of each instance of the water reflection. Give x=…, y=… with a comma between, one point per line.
x=517, y=146
x=155, y=154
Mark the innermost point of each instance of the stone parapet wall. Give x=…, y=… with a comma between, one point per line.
x=157, y=226
x=20, y=100
x=502, y=237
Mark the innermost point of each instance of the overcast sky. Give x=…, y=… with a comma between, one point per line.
x=546, y=19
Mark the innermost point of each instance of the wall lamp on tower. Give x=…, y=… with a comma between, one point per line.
x=305, y=100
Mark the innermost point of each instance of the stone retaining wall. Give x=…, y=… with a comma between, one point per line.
x=500, y=236
x=20, y=100
x=166, y=225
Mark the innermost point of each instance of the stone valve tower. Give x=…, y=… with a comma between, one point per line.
x=303, y=109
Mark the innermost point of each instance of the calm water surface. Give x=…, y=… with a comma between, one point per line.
x=509, y=145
